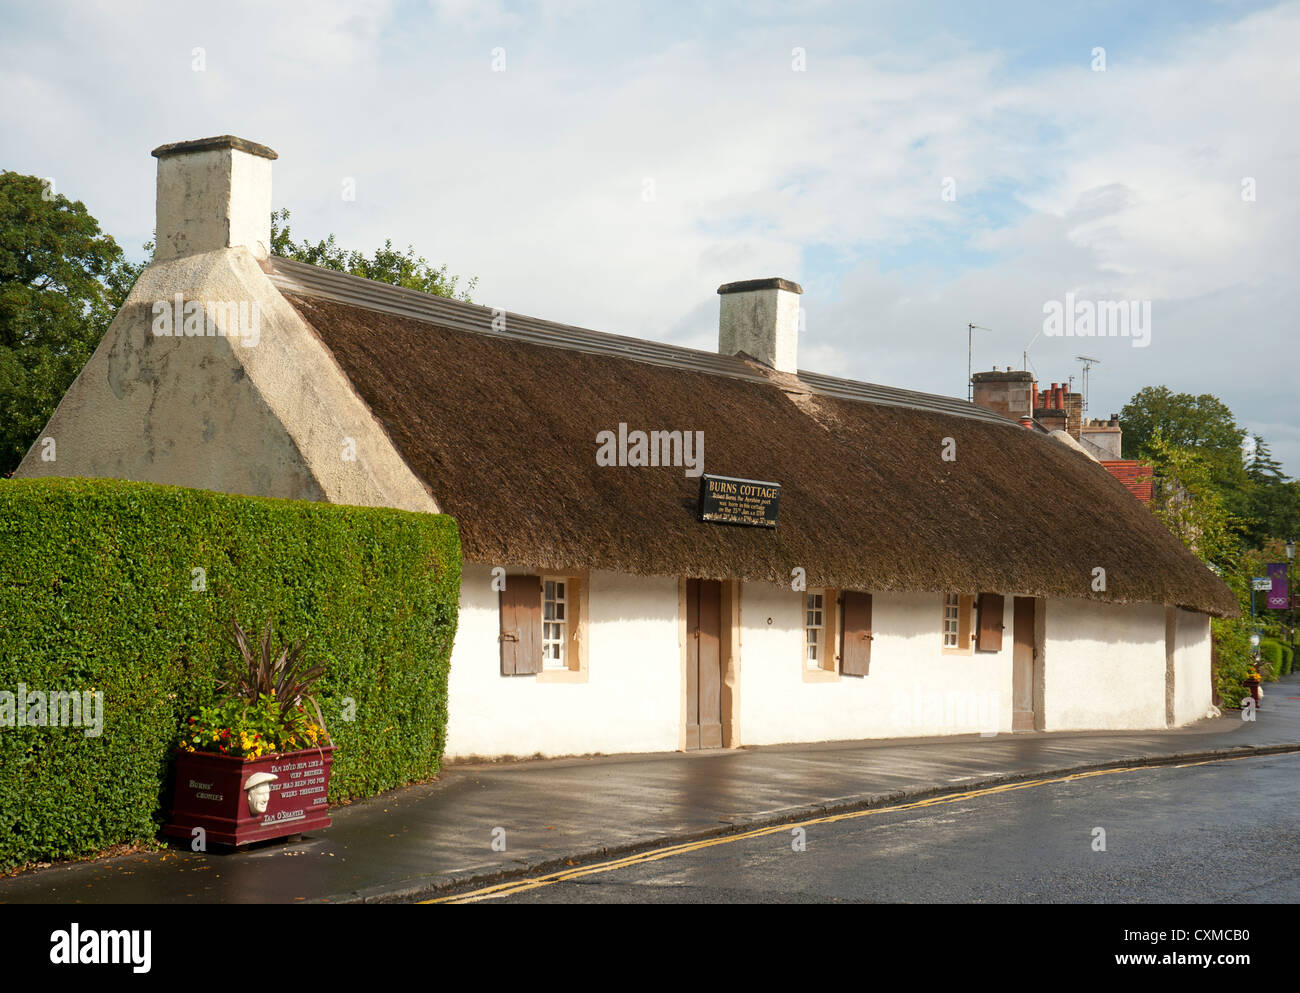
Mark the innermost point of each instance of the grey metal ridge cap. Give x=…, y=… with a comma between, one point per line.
x=425, y=301
x=897, y=396
x=308, y=280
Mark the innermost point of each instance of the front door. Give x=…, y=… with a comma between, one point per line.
x=1024, y=657
x=703, y=663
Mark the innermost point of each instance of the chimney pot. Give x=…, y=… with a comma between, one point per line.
x=213, y=193
x=761, y=318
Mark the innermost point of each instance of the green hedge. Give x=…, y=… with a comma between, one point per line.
x=1230, y=659
x=1277, y=654
x=1270, y=653
x=96, y=594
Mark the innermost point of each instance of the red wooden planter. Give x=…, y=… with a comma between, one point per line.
x=211, y=793
x=1253, y=686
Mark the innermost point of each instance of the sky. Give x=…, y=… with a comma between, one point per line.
x=915, y=167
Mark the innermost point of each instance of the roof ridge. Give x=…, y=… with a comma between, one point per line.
x=301, y=278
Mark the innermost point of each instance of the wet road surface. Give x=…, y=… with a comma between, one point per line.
x=1225, y=831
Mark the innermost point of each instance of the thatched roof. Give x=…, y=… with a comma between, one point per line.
x=502, y=427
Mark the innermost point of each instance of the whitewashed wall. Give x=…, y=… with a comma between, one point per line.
x=219, y=413
x=630, y=703
x=1104, y=666
x=913, y=689
x=1192, y=694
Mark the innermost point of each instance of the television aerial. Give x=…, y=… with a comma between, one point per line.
x=970, y=354
x=1088, y=363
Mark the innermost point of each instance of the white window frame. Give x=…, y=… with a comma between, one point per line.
x=815, y=636
x=555, y=630
x=951, y=620
x=962, y=641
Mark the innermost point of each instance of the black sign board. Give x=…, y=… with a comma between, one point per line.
x=727, y=500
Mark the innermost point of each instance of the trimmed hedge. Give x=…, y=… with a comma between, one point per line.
x=1278, y=654
x=1270, y=653
x=1230, y=659
x=96, y=594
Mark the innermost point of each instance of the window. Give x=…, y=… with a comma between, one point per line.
x=958, y=623
x=555, y=625
x=542, y=628
x=816, y=650
x=951, y=611
x=820, y=661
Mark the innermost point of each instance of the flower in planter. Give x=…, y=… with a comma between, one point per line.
x=264, y=710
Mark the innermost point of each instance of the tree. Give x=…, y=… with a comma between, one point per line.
x=1272, y=500
x=388, y=265
x=1262, y=467
x=1189, y=503
x=62, y=280
x=1196, y=509
x=1274, y=512
x=1185, y=421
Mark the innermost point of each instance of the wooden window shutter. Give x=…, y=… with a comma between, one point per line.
x=856, y=660
x=521, y=626
x=989, y=632
x=965, y=608
x=573, y=650
x=830, y=660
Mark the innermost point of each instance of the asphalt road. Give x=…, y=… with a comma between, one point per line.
x=1222, y=832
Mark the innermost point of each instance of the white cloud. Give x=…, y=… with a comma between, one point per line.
x=1122, y=183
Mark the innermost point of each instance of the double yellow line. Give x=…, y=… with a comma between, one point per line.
x=654, y=855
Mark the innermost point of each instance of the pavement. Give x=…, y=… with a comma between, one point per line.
x=416, y=842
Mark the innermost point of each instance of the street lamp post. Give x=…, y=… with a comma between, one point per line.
x=1254, y=629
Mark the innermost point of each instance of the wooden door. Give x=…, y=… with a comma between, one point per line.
x=1024, y=659
x=703, y=663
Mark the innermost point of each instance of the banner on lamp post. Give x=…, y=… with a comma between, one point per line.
x=1277, y=595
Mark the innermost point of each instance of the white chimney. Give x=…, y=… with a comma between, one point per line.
x=213, y=193
x=761, y=318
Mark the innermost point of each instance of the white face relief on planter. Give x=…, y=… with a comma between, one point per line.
x=258, y=789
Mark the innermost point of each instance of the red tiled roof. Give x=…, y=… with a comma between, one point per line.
x=1134, y=474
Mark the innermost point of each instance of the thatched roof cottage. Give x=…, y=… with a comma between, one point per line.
x=913, y=582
